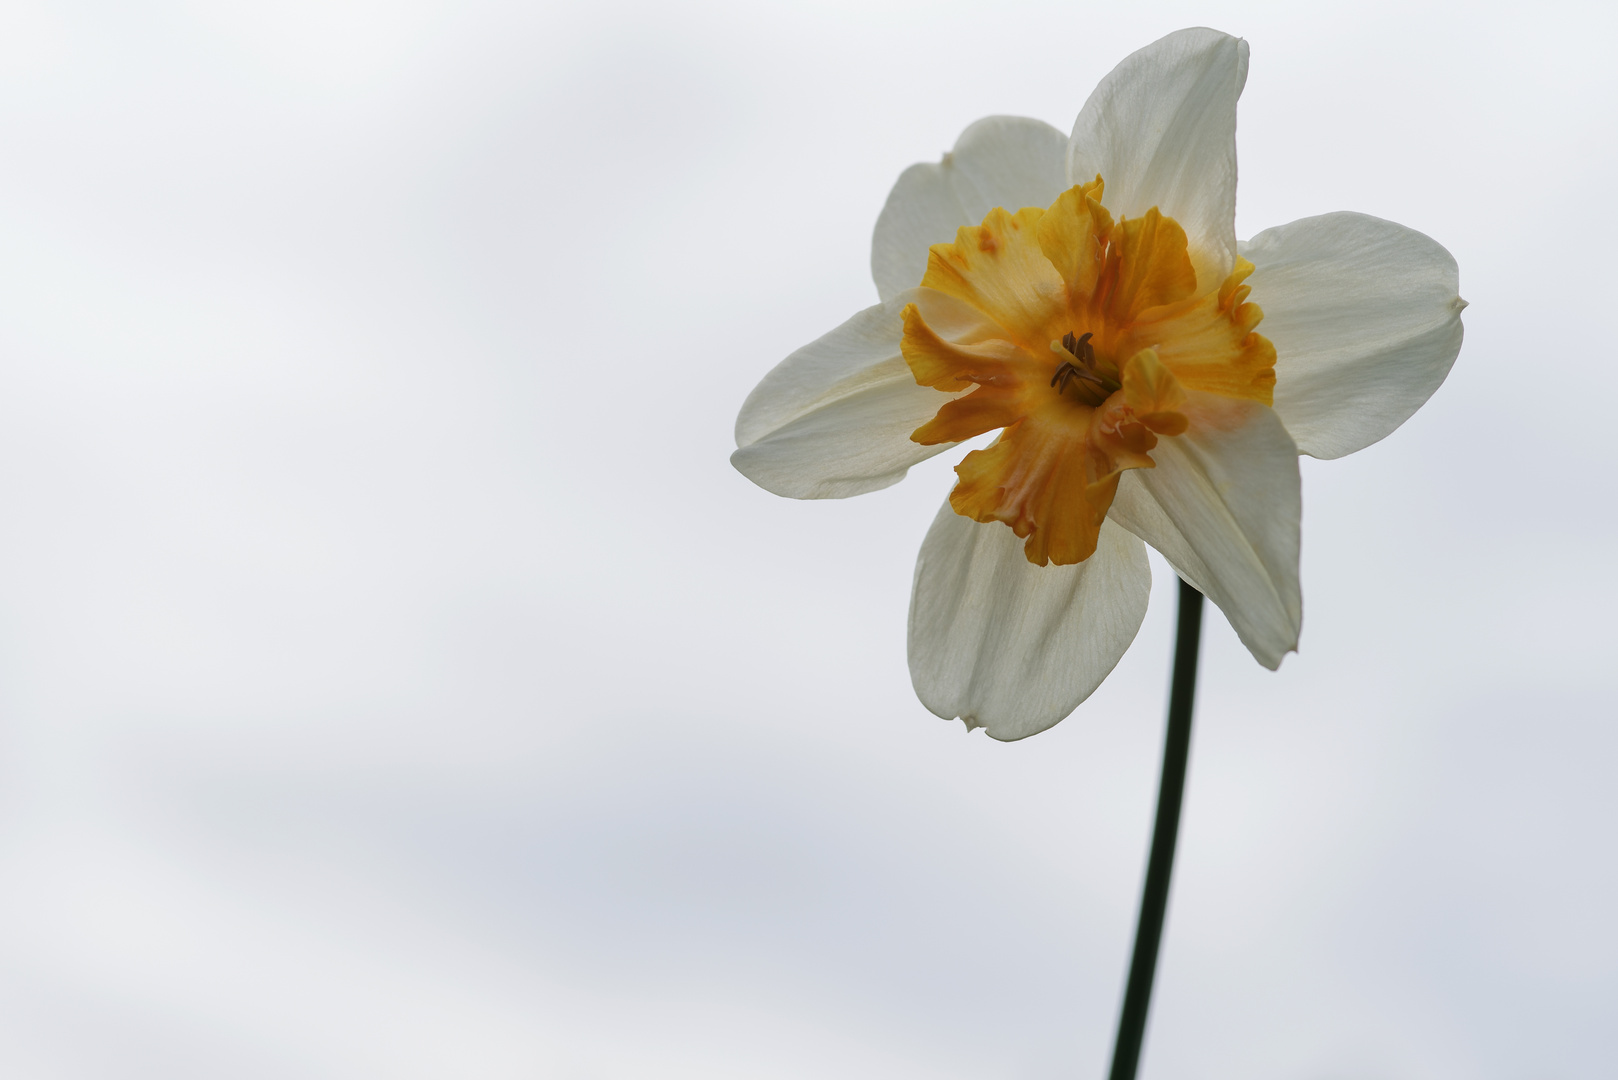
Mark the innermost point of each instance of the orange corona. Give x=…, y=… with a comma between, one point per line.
x=1102, y=341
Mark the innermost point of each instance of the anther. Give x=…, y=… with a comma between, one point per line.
x=1085, y=353
x=1069, y=372
x=1080, y=347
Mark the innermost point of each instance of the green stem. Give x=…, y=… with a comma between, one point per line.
x=1155, y=896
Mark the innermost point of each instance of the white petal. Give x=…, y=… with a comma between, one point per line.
x=1006, y=161
x=1366, y=320
x=856, y=444
x=834, y=418
x=1012, y=647
x=1223, y=506
x=1161, y=131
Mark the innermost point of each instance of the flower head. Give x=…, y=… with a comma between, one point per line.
x=1150, y=378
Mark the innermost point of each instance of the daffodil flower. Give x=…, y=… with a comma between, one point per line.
x=1086, y=296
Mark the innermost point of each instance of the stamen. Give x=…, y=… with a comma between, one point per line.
x=1085, y=353
x=1080, y=347
x=1068, y=372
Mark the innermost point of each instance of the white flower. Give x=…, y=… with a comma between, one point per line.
x=1105, y=328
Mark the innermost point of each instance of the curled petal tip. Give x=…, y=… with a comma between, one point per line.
x=1275, y=665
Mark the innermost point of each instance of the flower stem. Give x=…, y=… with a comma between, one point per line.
x=1155, y=896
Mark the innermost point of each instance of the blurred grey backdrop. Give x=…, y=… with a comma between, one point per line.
x=396, y=680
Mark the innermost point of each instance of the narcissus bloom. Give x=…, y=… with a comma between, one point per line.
x=1151, y=380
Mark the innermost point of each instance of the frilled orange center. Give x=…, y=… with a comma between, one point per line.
x=1102, y=342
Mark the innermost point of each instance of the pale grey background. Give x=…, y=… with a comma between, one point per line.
x=396, y=681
